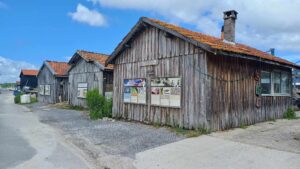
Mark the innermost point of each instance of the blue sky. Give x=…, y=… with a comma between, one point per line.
x=32, y=31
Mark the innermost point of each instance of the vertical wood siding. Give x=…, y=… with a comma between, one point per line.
x=84, y=72
x=204, y=102
x=46, y=78
x=176, y=58
x=232, y=104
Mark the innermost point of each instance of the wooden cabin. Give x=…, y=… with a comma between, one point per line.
x=28, y=78
x=169, y=75
x=88, y=71
x=53, y=82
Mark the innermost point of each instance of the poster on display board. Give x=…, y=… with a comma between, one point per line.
x=42, y=89
x=47, y=90
x=135, y=91
x=166, y=92
x=82, y=90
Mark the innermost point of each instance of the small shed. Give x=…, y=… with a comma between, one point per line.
x=88, y=71
x=28, y=78
x=53, y=82
x=169, y=75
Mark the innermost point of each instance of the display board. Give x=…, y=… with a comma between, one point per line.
x=166, y=92
x=47, y=90
x=42, y=89
x=82, y=90
x=135, y=91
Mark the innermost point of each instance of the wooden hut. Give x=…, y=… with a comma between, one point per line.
x=53, y=82
x=169, y=75
x=28, y=78
x=88, y=71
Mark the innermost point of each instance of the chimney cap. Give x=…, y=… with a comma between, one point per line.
x=230, y=14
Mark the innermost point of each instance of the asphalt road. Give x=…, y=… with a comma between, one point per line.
x=27, y=143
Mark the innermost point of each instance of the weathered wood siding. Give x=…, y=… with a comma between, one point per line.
x=58, y=86
x=232, y=104
x=176, y=58
x=84, y=72
x=204, y=102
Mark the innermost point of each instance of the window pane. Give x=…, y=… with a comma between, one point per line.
x=276, y=82
x=285, y=83
x=265, y=82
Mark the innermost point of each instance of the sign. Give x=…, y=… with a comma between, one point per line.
x=166, y=92
x=42, y=89
x=135, y=91
x=47, y=90
x=149, y=63
x=82, y=90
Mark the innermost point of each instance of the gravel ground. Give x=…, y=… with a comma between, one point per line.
x=102, y=139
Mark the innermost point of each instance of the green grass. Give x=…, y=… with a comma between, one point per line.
x=33, y=100
x=243, y=126
x=290, y=114
x=189, y=133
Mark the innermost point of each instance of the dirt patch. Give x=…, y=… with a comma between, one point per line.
x=280, y=135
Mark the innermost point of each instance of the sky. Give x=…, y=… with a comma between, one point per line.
x=32, y=31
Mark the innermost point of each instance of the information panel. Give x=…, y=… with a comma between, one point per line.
x=42, y=90
x=47, y=90
x=135, y=91
x=166, y=92
x=82, y=90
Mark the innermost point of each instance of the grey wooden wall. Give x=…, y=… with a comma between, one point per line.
x=204, y=102
x=58, y=86
x=84, y=72
x=175, y=58
x=232, y=104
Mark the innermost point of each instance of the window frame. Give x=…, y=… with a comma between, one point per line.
x=272, y=83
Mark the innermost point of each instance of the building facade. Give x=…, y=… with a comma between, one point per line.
x=88, y=71
x=53, y=82
x=28, y=78
x=168, y=75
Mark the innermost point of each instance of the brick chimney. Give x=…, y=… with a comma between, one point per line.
x=229, y=25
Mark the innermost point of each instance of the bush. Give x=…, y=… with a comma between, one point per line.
x=98, y=106
x=290, y=114
x=18, y=99
x=107, y=109
x=95, y=103
x=33, y=100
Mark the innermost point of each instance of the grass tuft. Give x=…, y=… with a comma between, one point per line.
x=190, y=133
x=290, y=114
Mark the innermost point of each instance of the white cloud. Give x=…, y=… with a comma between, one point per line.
x=10, y=69
x=87, y=16
x=262, y=24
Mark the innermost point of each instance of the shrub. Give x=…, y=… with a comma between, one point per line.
x=107, y=109
x=95, y=103
x=33, y=100
x=290, y=114
x=17, y=99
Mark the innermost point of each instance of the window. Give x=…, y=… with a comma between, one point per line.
x=285, y=83
x=275, y=83
x=265, y=82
